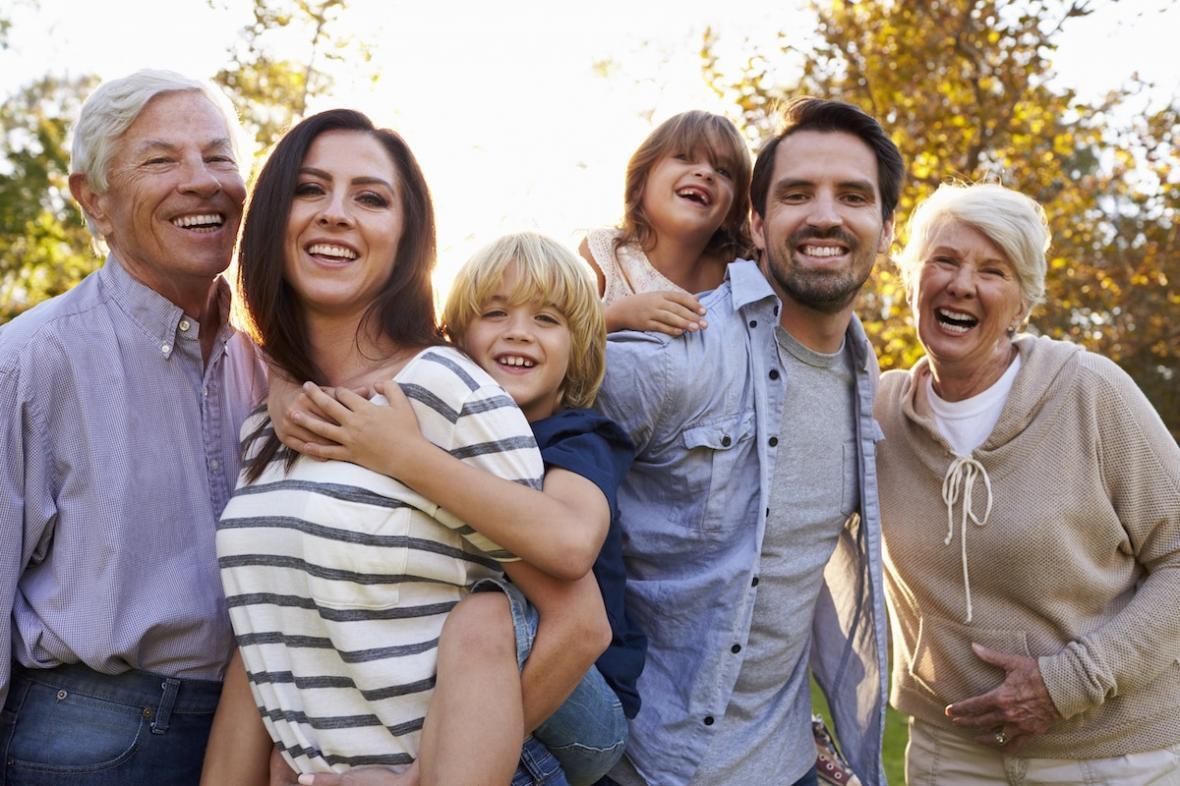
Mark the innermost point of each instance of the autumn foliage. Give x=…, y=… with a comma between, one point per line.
x=964, y=87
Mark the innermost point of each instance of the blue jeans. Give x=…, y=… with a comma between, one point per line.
x=588, y=732
x=72, y=725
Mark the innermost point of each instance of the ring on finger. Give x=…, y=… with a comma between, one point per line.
x=1001, y=738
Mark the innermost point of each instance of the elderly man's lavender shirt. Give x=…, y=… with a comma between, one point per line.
x=121, y=449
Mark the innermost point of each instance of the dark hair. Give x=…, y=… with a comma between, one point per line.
x=404, y=308
x=688, y=132
x=816, y=114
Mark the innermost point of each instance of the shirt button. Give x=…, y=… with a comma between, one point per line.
x=753, y=323
x=774, y=373
x=214, y=463
x=754, y=582
x=726, y=441
x=735, y=649
x=165, y=348
x=708, y=720
x=773, y=441
x=184, y=324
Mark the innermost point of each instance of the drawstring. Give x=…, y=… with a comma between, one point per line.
x=960, y=477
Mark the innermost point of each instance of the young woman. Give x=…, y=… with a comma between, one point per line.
x=338, y=579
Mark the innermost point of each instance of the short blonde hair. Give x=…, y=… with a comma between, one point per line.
x=1011, y=220
x=547, y=271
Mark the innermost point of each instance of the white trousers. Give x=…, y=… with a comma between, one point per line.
x=937, y=757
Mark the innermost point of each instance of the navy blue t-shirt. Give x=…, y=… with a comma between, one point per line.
x=586, y=443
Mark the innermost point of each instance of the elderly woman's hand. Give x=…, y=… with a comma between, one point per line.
x=1019, y=709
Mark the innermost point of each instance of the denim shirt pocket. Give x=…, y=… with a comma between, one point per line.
x=725, y=481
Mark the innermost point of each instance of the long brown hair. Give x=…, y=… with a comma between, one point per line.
x=403, y=309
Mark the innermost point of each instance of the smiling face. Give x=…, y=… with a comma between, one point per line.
x=686, y=194
x=524, y=347
x=823, y=227
x=171, y=211
x=344, y=226
x=968, y=296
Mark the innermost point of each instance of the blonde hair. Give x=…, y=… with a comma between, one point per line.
x=1011, y=220
x=546, y=271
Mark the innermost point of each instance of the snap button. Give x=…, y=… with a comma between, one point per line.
x=61, y=695
x=726, y=441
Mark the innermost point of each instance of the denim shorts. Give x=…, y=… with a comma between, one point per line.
x=588, y=731
x=73, y=725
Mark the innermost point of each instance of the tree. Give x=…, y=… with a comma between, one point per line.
x=272, y=88
x=963, y=87
x=44, y=243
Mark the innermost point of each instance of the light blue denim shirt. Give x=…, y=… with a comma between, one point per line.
x=704, y=410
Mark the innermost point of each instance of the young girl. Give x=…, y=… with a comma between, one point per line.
x=526, y=312
x=685, y=217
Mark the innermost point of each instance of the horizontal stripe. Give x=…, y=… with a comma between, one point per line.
x=348, y=656
x=325, y=682
x=522, y=442
x=455, y=368
x=338, y=491
x=338, y=615
x=391, y=759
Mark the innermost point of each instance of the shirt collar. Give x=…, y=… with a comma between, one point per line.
x=158, y=317
x=748, y=285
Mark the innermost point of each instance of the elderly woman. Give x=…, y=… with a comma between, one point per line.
x=1030, y=501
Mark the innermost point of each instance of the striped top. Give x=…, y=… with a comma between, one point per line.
x=338, y=579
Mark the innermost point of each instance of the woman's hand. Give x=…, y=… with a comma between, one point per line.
x=1019, y=709
x=381, y=438
x=668, y=312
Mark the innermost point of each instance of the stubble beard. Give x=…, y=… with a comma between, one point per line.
x=826, y=291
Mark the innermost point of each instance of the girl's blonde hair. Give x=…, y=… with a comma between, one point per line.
x=546, y=271
x=687, y=133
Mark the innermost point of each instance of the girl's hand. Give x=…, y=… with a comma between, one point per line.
x=668, y=312
x=384, y=439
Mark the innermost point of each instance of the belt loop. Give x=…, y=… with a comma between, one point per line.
x=171, y=687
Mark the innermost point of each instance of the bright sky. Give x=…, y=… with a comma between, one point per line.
x=502, y=102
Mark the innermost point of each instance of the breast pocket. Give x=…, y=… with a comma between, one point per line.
x=720, y=450
x=356, y=557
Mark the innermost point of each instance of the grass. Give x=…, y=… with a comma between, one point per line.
x=895, y=736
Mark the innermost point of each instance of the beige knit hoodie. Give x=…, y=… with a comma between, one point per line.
x=1078, y=563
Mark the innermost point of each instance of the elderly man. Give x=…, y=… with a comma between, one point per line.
x=750, y=515
x=120, y=404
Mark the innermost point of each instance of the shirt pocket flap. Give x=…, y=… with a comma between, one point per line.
x=720, y=434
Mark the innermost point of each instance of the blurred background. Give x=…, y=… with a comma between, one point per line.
x=523, y=114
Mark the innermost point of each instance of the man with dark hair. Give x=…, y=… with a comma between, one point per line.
x=120, y=404
x=750, y=515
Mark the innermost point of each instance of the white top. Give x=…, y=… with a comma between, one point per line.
x=966, y=424
x=626, y=269
x=338, y=579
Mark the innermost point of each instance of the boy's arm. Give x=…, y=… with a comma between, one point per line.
x=239, y=745
x=559, y=531
x=572, y=632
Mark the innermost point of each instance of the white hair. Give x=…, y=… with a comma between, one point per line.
x=113, y=107
x=1011, y=220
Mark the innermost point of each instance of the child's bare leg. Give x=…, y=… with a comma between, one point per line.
x=473, y=730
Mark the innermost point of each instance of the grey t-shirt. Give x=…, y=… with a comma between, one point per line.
x=765, y=736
